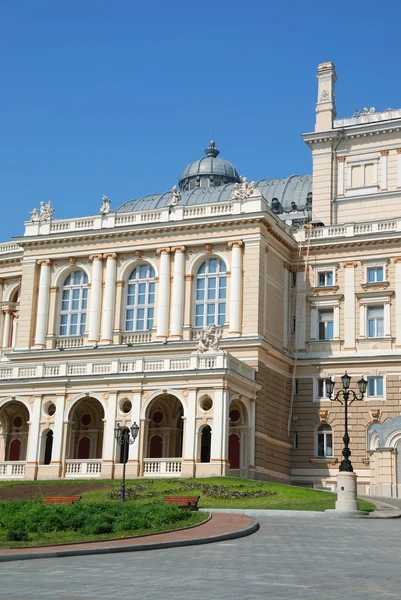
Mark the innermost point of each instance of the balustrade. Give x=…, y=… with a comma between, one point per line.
x=83, y=468
x=163, y=467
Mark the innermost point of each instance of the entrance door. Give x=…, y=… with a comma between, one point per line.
x=15, y=450
x=84, y=448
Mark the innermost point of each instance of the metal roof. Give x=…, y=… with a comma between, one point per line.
x=287, y=190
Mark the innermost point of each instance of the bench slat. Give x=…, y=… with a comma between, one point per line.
x=183, y=501
x=61, y=499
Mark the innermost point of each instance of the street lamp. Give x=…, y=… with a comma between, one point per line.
x=346, y=479
x=125, y=437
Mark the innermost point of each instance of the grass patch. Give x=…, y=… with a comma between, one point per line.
x=31, y=523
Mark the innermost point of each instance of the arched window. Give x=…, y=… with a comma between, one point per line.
x=324, y=441
x=140, y=304
x=74, y=300
x=206, y=442
x=48, y=447
x=210, y=298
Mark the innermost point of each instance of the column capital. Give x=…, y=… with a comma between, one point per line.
x=397, y=259
x=163, y=250
x=96, y=256
x=341, y=159
x=350, y=264
x=235, y=244
x=110, y=255
x=384, y=152
x=178, y=249
x=54, y=288
x=8, y=311
x=44, y=262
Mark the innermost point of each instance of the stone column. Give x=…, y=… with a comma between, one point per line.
x=398, y=302
x=383, y=169
x=7, y=327
x=133, y=464
x=300, y=317
x=96, y=297
x=53, y=311
x=236, y=288
x=349, y=305
x=340, y=180
x=219, y=449
x=109, y=301
x=188, y=453
x=108, y=441
x=164, y=293
x=43, y=304
x=58, y=431
x=31, y=466
x=177, y=304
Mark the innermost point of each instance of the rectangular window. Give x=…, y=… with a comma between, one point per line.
x=295, y=442
x=325, y=278
x=324, y=444
x=375, y=274
x=369, y=175
x=375, y=387
x=326, y=324
x=321, y=388
x=356, y=176
x=375, y=321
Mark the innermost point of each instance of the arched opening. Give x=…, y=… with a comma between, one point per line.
x=156, y=446
x=164, y=435
x=324, y=441
x=14, y=419
x=234, y=451
x=239, y=435
x=15, y=304
x=85, y=435
x=124, y=450
x=48, y=447
x=206, y=443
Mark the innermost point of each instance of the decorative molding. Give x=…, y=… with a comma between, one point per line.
x=398, y=150
x=341, y=159
x=163, y=251
x=111, y=255
x=323, y=414
x=235, y=244
x=375, y=286
x=47, y=262
x=384, y=152
x=95, y=257
x=120, y=283
x=54, y=288
x=350, y=264
x=138, y=254
x=189, y=277
x=178, y=249
x=324, y=291
x=72, y=261
x=208, y=248
x=375, y=414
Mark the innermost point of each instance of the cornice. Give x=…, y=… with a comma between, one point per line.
x=352, y=131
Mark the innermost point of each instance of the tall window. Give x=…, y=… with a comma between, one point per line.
x=375, y=387
x=326, y=325
x=324, y=441
x=375, y=321
x=211, y=287
x=375, y=274
x=140, y=305
x=74, y=300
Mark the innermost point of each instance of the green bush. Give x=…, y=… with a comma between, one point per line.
x=20, y=519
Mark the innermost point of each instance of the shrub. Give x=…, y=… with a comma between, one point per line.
x=17, y=531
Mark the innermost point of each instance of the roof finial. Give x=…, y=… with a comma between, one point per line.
x=212, y=150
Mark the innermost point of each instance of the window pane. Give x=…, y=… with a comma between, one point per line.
x=202, y=268
x=73, y=330
x=143, y=269
x=210, y=309
x=222, y=266
x=375, y=311
x=371, y=386
x=329, y=278
x=212, y=265
x=200, y=295
x=210, y=319
x=200, y=283
x=329, y=330
x=74, y=318
x=320, y=444
x=152, y=287
x=77, y=277
x=329, y=444
x=379, y=274
x=371, y=276
x=199, y=309
x=380, y=327
x=151, y=299
x=211, y=294
x=199, y=321
x=379, y=386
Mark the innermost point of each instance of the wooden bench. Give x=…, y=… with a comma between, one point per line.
x=190, y=502
x=61, y=499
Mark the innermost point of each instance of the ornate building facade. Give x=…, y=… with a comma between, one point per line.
x=210, y=315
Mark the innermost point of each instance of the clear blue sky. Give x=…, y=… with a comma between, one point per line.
x=116, y=97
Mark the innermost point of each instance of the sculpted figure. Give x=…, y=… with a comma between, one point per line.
x=105, y=208
x=209, y=339
x=34, y=216
x=46, y=211
x=176, y=196
x=277, y=207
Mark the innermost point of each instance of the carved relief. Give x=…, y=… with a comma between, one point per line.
x=209, y=339
x=375, y=414
x=323, y=414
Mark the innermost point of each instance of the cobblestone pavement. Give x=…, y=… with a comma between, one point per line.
x=301, y=559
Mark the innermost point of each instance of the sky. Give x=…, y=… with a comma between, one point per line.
x=115, y=98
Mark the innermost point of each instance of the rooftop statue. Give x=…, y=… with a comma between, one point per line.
x=105, y=208
x=277, y=207
x=34, y=216
x=176, y=196
x=243, y=190
x=46, y=213
x=209, y=339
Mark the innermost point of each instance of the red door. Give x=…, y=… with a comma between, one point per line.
x=234, y=451
x=84, y=448
x=156, y=447
x=15, y=450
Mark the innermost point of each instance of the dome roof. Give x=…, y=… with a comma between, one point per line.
x=209, y=167
x=288, y=190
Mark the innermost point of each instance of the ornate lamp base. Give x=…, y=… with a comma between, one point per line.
x=346, y=491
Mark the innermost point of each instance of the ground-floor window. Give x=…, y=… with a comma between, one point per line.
x=324, y=441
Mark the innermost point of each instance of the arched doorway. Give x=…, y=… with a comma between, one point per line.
x=48, y=447
x=85, y=438
x=238, y=438
x=163, y=451
x=14, y=419
x=206, y=443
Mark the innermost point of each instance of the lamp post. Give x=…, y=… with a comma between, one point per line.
x=125, y=437
x=346, y=478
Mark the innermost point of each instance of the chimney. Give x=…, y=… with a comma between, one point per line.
x=325, y=105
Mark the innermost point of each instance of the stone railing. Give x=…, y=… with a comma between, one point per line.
x=12, y=469
x=83, y=468
x=70, y=342
x=191, y=362
x=169, y=213
x=350, y=230
x=9, y=247
x=162, y=467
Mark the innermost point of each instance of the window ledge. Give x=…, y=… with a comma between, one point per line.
x=324, y=461
x=321, y=290
x=377, y=285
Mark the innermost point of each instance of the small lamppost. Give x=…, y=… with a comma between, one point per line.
x=346, y=479
x=125, y=437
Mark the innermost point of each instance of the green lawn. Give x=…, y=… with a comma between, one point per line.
x=286, y=497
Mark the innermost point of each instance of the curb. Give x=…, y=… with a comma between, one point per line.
x=312, y=514
x=395, y=512
x=245, y=531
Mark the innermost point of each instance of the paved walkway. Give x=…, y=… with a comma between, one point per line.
x=287, y=559
x=220, y=527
